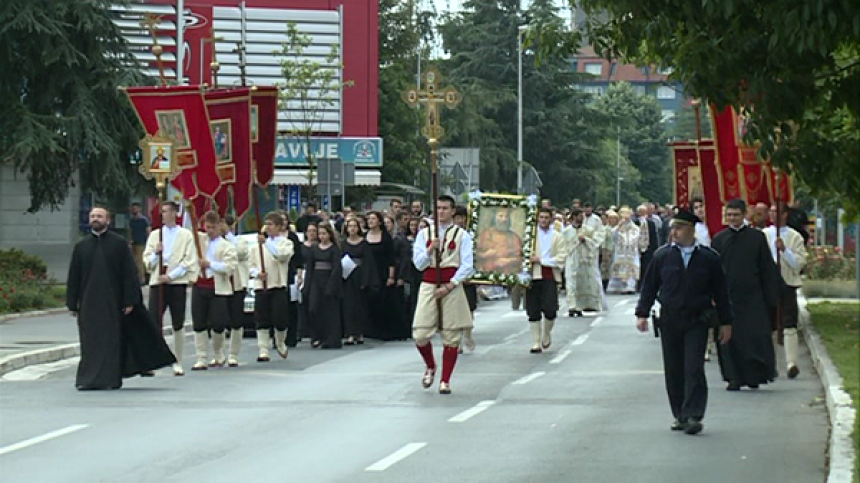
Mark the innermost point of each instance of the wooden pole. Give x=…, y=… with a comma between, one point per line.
x=434, y=170
x=261, y=228
x=777, y=226
x=162, y=195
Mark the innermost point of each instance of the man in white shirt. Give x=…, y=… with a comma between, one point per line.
x=171, y=260
x=792, y=259
x=239, y=279
x=456, y=262
x=542, y=296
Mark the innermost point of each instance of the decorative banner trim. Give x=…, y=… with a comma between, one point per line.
x=481, y=201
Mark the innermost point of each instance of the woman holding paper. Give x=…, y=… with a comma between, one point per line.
x=358, y=269
x=324, y=279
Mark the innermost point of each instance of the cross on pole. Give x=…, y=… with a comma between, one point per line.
x=150, y=23
x=431, y=98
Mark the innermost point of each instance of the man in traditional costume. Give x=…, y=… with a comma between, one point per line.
x=211, y=293
x=271, y=299
x=118, y=336
x=239, y=279
x=582, y=273
x=625, y=260
x=456, y=266
x=749, y=359
x=173, y=247
x=792, y=258
x=542, y=295
x=688, y=281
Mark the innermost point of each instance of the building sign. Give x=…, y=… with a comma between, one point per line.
x=363, y=152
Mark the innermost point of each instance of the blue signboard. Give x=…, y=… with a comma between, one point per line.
x=325, y=202
x=294, y=198
x=292, y=151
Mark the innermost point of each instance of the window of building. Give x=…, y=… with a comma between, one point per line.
x=640, y=90
x=665, y=92
x=668, y=115
x=612, y=69
x=596, y=90
x=594, y=68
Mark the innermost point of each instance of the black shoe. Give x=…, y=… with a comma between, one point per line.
x=753, y=386
x=571, y=313
x=577, y=313
x=793, y=371
x=147, y=374
x=733, y=386
x=678, y=425
x=693, y=426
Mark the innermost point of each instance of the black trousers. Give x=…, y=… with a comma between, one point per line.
x=471, y=296
x=542, y=298
x=684, y=341
x=174, y=299
x=270, y=308
x=209, y=311
x=789, y=310
x=236, y=308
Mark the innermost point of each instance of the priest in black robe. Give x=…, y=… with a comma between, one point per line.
x=117, y=335
x=749, y=358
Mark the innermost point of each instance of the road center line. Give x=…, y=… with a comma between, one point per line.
x=41, y=439
x=396, y=456
x=581, y=339
x=597, y=321
x=527, y=379
x=557, y=359
x=471, y=412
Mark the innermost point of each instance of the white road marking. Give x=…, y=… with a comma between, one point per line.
x=396, y=456
x=513, y=314
x=41, y=439
x=619, y=304
x=581, y=339
x=527, y=379
x=597, y=321
x=471, y=412
x=630, y=311
x=557, y=359
x=38, y=371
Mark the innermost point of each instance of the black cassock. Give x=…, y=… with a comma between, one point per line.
x=324, y=289
x=753, y=280
x=102, y=281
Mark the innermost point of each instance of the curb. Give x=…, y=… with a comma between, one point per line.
x=839, y=407
x=52, y=354
x=32, y=313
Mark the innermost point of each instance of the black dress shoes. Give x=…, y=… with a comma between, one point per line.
x=678, y=425
x=693, y=426
x=733, y=386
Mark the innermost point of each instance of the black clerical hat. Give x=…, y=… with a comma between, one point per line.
x=683, y=216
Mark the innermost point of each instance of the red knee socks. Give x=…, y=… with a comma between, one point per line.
x=426, y=352
x=449, y=360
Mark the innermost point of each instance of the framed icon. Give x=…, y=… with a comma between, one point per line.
x=503, y=229
x=222, y=138
x=159, y=157
x=255, y=124
x=172, y=123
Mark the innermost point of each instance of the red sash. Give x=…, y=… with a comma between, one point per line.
x=205, y=283
x=447, y=273
x=546, y=273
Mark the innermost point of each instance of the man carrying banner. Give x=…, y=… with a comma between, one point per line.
x=542, y=296
x=211, y=293
x=239, y=278
x=455, y=247
x=178, y=268
x=270, y=286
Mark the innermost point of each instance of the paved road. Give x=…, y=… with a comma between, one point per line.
x=592, y=409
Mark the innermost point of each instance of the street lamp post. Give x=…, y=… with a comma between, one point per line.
x=520, y=30
x=618, y=170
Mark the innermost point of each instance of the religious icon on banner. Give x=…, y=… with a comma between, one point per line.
x=221, y=131
x=159, y=157
x=255, y=124
x=503, y=229
x=172, y=123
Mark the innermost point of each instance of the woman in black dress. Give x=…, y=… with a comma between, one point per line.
x=411, y=275
x=358, y=285
x=306, y=325
x=382, y=248
x=325, y=285
x=396, y=297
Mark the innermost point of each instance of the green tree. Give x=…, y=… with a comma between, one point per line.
x=308, y=91
x=794, y=66
x=62, y=113
x=638, y=119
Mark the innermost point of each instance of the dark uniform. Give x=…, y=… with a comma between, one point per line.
x=684, y=293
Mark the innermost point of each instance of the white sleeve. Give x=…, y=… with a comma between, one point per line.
x=466, y=268
x=419, y=251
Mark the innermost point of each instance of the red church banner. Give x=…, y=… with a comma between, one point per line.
x=264, y=132
x=230, y=127
x=179, y=111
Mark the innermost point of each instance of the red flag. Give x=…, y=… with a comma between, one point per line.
x=230, y=126
x=264, y=132
x=180, y=112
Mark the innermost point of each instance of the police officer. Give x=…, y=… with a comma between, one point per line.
x=688, y=281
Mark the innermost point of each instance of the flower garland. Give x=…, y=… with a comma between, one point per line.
x=478, y=200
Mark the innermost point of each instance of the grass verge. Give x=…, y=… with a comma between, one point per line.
x=839, y=326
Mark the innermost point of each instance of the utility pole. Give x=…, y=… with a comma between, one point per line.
x=618, y=169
